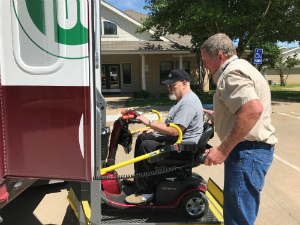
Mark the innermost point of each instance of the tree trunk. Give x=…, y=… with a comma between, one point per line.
x=282, y=81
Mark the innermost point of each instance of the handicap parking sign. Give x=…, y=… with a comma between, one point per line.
x=258, y=56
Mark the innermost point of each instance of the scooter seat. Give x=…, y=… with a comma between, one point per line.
x=197, y=150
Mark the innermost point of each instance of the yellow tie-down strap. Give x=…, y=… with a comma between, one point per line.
x=215, y=199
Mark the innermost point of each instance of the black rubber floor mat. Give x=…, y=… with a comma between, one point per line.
x=124, y=216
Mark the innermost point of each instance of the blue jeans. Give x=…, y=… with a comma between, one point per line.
x=244, y=174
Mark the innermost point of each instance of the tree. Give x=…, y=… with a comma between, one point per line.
x=286, y=63
x=271, y=54
x=242, y=20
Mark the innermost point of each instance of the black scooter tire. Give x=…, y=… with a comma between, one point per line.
x=194, y=205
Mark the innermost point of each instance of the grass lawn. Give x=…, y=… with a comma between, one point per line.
x=276, y=92
x=133, y=102
x=285, y=93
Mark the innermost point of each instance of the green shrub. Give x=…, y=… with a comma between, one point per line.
x=196, y=88
x=142, y=94
x=163, y=95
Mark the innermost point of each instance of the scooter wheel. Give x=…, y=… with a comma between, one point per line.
x=194, y=205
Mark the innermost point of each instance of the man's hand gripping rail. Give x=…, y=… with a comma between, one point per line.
x=159, y=120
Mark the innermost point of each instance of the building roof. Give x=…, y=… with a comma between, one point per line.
x=140, y=46
x=180, y=40
x=168, y=42
x=135, y=15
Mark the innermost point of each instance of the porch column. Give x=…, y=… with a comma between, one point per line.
x=143, y=73
x=180, y=62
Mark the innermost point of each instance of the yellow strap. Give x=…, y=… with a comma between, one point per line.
x=137, y=159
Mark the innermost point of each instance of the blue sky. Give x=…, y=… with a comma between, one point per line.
x=137, y=5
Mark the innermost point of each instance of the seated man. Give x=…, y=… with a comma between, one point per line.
x=186, y=113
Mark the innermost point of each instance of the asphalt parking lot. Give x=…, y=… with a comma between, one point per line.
x=280, y=198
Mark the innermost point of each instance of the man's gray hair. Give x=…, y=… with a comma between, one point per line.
x=219, y=43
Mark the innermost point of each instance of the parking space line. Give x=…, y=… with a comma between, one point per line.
x=289, y=115
x=289, y=164
x=295, y=113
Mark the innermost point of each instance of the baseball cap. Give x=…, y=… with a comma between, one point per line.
x=176, y=75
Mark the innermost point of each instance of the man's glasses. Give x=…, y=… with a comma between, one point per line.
x=173, y=85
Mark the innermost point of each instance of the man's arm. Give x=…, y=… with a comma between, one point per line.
x=247, y=116
x=160, y=127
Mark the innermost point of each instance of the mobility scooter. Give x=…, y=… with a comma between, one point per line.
x=177, y=187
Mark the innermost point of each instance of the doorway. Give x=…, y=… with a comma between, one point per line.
x=111, y=78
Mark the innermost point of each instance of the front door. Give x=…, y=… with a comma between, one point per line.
x=111, y=78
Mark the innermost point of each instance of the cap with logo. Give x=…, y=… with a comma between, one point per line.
x=176, y=75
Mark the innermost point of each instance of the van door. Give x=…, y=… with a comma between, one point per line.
x=47, y=89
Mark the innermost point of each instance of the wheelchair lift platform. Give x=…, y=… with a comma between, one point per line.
x=110, y=215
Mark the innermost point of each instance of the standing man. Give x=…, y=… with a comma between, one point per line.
x=186, y=113
x=242, y=119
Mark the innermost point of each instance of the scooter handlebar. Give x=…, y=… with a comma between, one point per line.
x=140, y=113
x=134, y=121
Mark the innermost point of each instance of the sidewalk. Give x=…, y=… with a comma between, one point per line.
x=114, y=105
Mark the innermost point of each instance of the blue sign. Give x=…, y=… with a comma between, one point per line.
x=258, y=56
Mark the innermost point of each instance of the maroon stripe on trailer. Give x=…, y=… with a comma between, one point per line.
x=42, y=132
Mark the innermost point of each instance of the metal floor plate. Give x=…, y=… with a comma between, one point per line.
x=124, y=216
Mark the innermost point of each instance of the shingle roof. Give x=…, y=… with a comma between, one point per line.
x=181, y=40
x=140, y=45
x=135, y=15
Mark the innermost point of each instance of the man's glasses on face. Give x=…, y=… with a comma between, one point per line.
x=173, y=85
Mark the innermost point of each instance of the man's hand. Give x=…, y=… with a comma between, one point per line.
x=147, y=130
x=144, y=120
x=214, y=156
x=210, y=114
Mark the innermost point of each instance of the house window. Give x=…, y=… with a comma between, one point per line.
x=165, y=68
x=110, y=28
x=185, y=66
x=126, y=73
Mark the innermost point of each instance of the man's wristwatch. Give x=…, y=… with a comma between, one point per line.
x=150, y=122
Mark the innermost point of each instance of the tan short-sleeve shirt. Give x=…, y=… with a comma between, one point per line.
x=238, y=82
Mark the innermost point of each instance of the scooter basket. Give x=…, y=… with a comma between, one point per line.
x=104, y=142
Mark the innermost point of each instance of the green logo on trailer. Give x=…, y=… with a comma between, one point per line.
x=60, y=21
